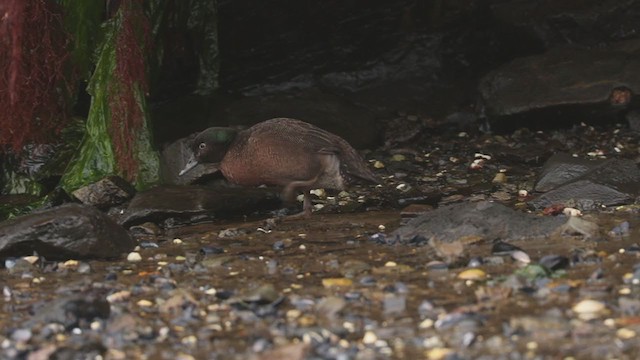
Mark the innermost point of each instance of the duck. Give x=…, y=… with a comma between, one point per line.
x=288, y=153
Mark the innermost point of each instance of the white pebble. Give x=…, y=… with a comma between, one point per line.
x=482, y=156
x=369, y=338
x=134, y=257
x=571, y=212
x=318, y=192
x=144, y=303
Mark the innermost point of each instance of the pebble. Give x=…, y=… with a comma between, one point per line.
x=626, y=333
x=21, y=335
x=84, y=268
x=148, y=245
x=336, y=282
x=144, y=303
x=589, y=309
x=437, y=265
x=394, y=303
x=369, y=338
x=33, y=259
x=177, y=241
x=321, y=193
x=554, y=262
x=378, y=164
x=119, y=296
x=472, y=274
x=398, y=157
x=500, y=178
x=521, y=256
x=134, y=257
x=568, y=211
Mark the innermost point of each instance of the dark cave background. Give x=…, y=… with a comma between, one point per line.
x=349, y=65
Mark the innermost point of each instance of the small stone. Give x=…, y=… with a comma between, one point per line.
x=21, y=335
x=144, y=303
x=437, y=265
x=390, y=264
x=472, y=274
x=84, y=268
x=500, y=178
x=134, y=257
x=626, y=333
x=119, y=296
x=589, y=309
x=438, y=353
x=568, y=211
x=70, y=264
x=426, y=324
x=398, y=157
x=336, y=282
x=177, y=241
x=321, y=193
x=378, y=164
x=394, y=303
x=521, y=256
x=31, y=259
x=369, y=338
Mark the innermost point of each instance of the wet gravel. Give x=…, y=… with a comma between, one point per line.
x=328, y=288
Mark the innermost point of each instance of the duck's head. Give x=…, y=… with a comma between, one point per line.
x=210, y=146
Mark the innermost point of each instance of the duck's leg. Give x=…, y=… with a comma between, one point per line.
x=307, y=209
x=288, y=194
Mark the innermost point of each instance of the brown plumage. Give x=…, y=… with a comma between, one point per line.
x=284, y=152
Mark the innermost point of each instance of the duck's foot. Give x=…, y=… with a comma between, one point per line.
x=307, y=210
x=304, y=214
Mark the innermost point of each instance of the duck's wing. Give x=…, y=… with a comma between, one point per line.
x=312, y=139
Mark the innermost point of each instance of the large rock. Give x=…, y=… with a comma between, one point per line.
x=179, y=205
x=564, y=84
x=587, y=183
x=482, y=220
x=70, y=231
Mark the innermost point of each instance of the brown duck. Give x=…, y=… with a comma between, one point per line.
x=283, y=152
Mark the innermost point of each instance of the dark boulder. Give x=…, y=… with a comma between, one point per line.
x=562, y=86
x=70, y=231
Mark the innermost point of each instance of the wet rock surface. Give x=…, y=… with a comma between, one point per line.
x=587, y=183
x=69, y=231
x=480, y=221
x=171, y=206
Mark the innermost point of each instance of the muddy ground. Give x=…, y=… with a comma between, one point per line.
x=327, y=288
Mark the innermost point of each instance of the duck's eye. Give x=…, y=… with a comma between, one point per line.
x=202, y=146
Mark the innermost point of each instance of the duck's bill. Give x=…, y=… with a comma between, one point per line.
x=190, y=165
